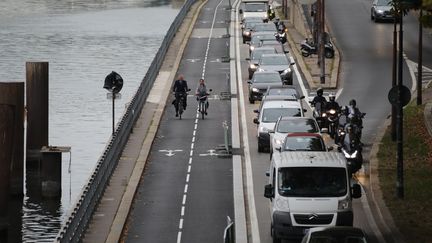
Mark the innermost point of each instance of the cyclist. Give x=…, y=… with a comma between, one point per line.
x=180, y=88
x=201, y=94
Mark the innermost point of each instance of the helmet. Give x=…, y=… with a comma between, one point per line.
x=352, y=103
x=332, y=97
x=320, y=91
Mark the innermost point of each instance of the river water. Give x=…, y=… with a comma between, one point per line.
x=83, y=41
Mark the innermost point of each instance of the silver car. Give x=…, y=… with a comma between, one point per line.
x=256, y=56
x=278, y=63
x=381, y=10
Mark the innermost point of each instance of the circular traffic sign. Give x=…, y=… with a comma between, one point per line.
x=405, y=95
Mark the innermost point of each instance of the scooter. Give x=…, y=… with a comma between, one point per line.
x=353, y=154
x=320, y=116
x=308, y=48
x=281, y=37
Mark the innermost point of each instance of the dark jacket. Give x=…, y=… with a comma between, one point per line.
x=180, y=86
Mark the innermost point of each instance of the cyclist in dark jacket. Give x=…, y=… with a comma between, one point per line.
x=180, y=87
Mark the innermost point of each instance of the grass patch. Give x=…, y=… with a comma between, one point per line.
x=413, y=214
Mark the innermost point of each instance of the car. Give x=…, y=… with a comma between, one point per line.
x=342, y=234
x=278, y=63
x=247, y=28
x=260, y=82
x=257, y=37
x=254, y=8
x=288, y=124
x=381, y=10
x=255, y=56
x=269, y=114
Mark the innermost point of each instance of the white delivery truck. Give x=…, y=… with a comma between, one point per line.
x=254, y=9
x=309, y=189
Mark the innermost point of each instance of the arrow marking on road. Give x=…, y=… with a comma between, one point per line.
x=211, y=152
x=170, y=152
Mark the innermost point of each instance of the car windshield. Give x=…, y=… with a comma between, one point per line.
x=297, y=125
x=287, y=92
x=266, y=78
x=274, y=60
x=383, y=2
x=312, y=181
x=338, y=239
x=255, y=7
x=272, y=114
x=257, y=53
x=308, y=143
x=264, y=27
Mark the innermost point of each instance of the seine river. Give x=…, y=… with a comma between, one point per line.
x=83, y=41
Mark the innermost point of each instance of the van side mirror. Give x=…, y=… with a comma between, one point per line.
x=249, y=81
x=268, y=191
x=292, y=63
x=210, y=90
x=304, y=110
x=356, y=191
x=301, y=97
x=247, y=59
x=255, y=120
x=271, y=131
x=240, y=11
x=279, y=149
x=267, y=173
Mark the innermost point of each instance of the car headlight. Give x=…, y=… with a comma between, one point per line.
x=380, y=11
x=263, y=129
x=252, y=66
x=255, y=90
x=350, y=156
x=247, y=33
x=344, y=204
x=278, y=142
x=323, y=114
x=286, y=71
x=332, y=111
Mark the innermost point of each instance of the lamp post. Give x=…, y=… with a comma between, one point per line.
x=420, y=61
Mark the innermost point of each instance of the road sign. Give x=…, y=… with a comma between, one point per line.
x=393, y=95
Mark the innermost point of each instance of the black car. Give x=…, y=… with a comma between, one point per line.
x=260, y=82
x=255, y=57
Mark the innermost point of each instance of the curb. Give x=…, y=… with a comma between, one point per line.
x=375, y=189
x=120, y=219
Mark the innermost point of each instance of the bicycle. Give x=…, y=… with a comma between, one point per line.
x=203, y=105
x=180, y=102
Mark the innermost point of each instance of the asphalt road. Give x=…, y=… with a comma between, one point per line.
x=186, y=192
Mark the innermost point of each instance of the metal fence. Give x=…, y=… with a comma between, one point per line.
x=76, y=224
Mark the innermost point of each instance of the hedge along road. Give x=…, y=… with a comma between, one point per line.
x=186, y=191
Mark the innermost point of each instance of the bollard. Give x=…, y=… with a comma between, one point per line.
x=51, y=170
x=6, y=148
x=37, y=108
x=12, y=93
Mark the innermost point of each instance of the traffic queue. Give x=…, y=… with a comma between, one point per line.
x=310, y=184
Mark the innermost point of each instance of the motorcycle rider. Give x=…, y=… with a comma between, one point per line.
x=332, y=104
x=271, y=13
x=180, y=87
x=319, y=98
x=350, y=138
x=200, y=92
x=353, y=114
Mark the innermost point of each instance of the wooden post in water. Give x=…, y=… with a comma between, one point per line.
x=12, y=93
x=6, y=148
x=37, y=108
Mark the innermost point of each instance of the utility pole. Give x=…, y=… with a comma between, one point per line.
x=394, y=78
x=399, y=135
x=420, y=61
x=322, y=43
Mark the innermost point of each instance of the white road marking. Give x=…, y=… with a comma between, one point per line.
x=184, y=199
x=249, y=180
x=186, y=188
x=170, y=151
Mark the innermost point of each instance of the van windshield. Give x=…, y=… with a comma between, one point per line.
x=312, y=181
x=272, y=114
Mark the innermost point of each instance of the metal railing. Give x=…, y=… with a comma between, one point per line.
x=74, y=227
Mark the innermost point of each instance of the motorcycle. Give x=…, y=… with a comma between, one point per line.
x=320, y=115
x=353, y=155
x=333, y=122
x=281, y=37
x=308, y=48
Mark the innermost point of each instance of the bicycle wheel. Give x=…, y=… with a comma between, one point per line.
x=180, y=110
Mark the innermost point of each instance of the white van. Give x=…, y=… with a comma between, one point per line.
x=254, y=9
x=309, y=189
